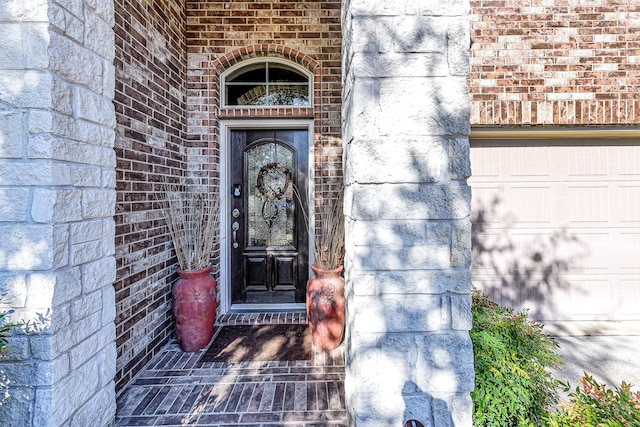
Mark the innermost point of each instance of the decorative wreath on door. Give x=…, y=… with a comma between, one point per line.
x=273, y=180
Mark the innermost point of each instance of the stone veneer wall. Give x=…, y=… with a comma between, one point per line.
x=407, y=206
x=221, y=34
x=555, y=63
x=150, y=103
x=56, y=232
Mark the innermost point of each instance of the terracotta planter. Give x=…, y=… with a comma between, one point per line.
x=194, y=308
x=325, y=307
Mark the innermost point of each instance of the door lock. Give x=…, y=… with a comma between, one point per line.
x=235, y=227
x=235, y=213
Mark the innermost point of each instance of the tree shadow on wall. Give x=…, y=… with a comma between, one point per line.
x=518, y=270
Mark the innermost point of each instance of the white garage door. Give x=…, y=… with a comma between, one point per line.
x=557, y=226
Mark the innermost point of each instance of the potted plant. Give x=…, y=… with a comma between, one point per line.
x=325, y=289
x=193, y=218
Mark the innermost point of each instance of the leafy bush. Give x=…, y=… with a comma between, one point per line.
x=5, y=330
x=595, y=405
x=513, y=386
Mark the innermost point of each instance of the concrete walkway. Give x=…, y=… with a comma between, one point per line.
x=609, y=351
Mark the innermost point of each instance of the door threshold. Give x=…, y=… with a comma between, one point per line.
x=267, y=308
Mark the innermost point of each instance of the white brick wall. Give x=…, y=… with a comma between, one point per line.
x=57, y=201
x=408, y=249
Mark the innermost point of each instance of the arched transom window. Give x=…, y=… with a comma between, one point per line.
x=267, y=83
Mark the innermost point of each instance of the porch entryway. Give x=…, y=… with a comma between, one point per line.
x=177, y=389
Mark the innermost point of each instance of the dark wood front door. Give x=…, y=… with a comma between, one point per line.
x=269, y=239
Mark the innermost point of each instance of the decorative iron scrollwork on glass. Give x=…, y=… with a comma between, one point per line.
x=272, y=183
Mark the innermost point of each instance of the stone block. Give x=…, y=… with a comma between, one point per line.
x=18, y=350
x=35, y=41
x=94, y=107
x=61, y=94
x=98, y=203
x=442, y=412
x=86, y=176
x=411, y=201
x=67, y=22
x=98, y=35
x=367, y=30
x=462, y=410
x=10, y=46
x=40, y=121
x=33, y=92
x=459, y=158
x=415, y=257
x=108, y=79
x=421, y=106
x=28, y=374
x=109, y=233
x=99, y=411
x=445, y=363
x=13, y=288
x=459, y=43
x=418, y=407
x=86, y=231
x=366, y=65
x=75, y=333
x=34, y=173
x=74, y=62
x=104, y=9
x=11, y=134
x=418, y=34
x=363, y=284
x=83, y=253
x=108, y=305
x=108, y=178
x=14, y=204
x=378, y=410
x=399, y=313
x=461, y=244
x=56, y=205
x=92, y=346
x=16, y=402
x=422, y=282
x=86, y=305
x=41, y=348
x=106, y=361
x=98, y=274
x=400, y=160
x=71, y=393
x=61, y=245
x=440, y=8
x=40, y=290
x=400, y=233
x=22, y=11
x=26, y=247
x=375, y=8
x=461, y=318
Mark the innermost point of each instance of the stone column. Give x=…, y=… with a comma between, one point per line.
x=407, y=205
x=57, y=201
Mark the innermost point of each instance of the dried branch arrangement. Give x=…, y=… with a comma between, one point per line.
x=193, y=220
x=328, y=248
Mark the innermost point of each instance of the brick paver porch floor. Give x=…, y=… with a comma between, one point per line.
x=176, y=389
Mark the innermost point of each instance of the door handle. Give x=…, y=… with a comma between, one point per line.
x=235, y=227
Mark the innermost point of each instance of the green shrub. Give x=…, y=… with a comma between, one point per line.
x=513, y=386
x=5, y=330
x=594, y=405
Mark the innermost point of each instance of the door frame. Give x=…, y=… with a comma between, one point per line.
x=224, y=284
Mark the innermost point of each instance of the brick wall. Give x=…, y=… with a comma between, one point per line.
x=151, y=123
x=538, y=62
x=220, y=34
